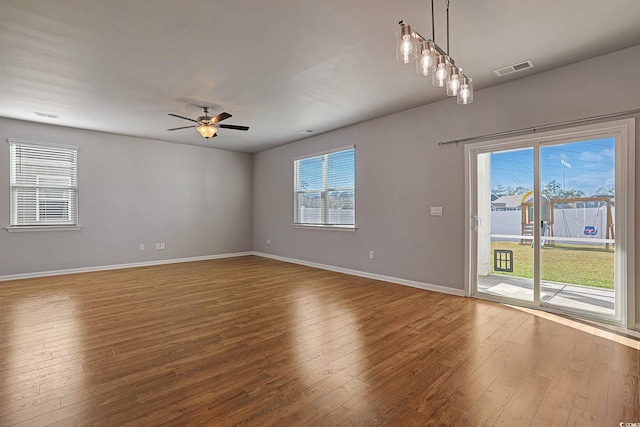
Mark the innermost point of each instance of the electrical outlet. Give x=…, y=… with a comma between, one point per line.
x=142, y=246
x=370, y=254
x=157, y=245
x=162, y=245
x=268, y=242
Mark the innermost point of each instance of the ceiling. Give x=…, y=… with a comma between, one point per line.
x=278, y=66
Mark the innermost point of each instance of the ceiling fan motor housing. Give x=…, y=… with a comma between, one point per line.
x=205, y=120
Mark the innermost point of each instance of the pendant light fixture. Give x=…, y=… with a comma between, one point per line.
x=465, y=95
x=426, y=58
x=432, y=60
x=441, y=73
x=405, y=46
x=453, y=84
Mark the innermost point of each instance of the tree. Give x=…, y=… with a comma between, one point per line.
x=519, y=190
x=499, y=190
x=553, y=189
x=572, y=194
x=606, y=191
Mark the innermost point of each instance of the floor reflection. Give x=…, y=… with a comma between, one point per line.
x=327, y=340
x=41, y=363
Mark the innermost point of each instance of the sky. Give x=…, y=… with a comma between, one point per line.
x=586, y=166
x=341, y=170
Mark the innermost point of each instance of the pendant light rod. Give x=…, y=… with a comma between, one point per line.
x=448, y=28
x=421, y=38
x=533, y=129
x=433, y=24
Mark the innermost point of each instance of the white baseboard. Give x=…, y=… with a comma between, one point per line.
x=413, y=284
x=119, y=266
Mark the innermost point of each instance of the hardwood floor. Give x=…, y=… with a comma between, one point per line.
x=253, y=341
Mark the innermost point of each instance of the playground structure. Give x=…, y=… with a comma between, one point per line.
x=547, y=218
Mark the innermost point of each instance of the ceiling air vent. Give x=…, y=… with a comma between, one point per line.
x=524, y=65
x=47, y=115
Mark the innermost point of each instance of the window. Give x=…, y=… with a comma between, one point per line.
x=325, y=189
x=44, y=184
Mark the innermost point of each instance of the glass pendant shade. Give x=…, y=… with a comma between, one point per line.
x=207, y=131
x=465, y=94
x=426, y=58
x=432, y=60
x=453, y=84
x=441, y=72
x=405, y=45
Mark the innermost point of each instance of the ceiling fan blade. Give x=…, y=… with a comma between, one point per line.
x=184, y=127
x=220, y=117
x=181, y=117
x=233, y=127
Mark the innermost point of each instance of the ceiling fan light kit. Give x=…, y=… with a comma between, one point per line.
x=432, y=60
x=208, y=126
x=207, y=131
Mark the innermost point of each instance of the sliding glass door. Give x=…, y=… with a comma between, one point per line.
x=504, y=259
x=578, y=245
x=546, y=227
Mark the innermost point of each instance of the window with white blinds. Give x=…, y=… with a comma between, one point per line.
x=44, y=184
x=325, y=189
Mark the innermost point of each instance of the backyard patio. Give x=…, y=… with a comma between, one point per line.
x=585, y=298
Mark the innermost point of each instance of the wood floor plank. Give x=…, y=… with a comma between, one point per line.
x=623, y=396
x=584, y=418
x=254, y=341
x=557, y=403
x=488, y=407
x=525, y=402
x=592, y=391
x=465, y=385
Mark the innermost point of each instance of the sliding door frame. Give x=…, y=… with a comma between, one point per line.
x=624, y=213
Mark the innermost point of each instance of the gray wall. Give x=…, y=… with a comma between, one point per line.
x=196, y=200
x=401, y=171
x=200, y=201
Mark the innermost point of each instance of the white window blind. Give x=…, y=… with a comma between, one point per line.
x=44, y=184
x=325, y=189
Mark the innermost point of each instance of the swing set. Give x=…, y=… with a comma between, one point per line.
x=547, y=217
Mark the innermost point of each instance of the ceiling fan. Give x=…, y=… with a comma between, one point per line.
x=208, y=126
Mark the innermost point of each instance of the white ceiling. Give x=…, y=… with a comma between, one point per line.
x=278, y=66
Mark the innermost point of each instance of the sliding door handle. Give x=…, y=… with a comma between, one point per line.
x=477, y=222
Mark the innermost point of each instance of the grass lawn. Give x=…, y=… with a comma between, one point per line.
x=586, y=265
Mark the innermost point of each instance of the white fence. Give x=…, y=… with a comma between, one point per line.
x=568, y=222
x=336, y=216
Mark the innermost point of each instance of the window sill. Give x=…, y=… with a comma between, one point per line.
x=25, y=228
x=326, y=227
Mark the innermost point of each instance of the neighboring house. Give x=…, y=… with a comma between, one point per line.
x=511, y=202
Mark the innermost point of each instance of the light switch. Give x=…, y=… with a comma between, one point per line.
x=436, y=210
